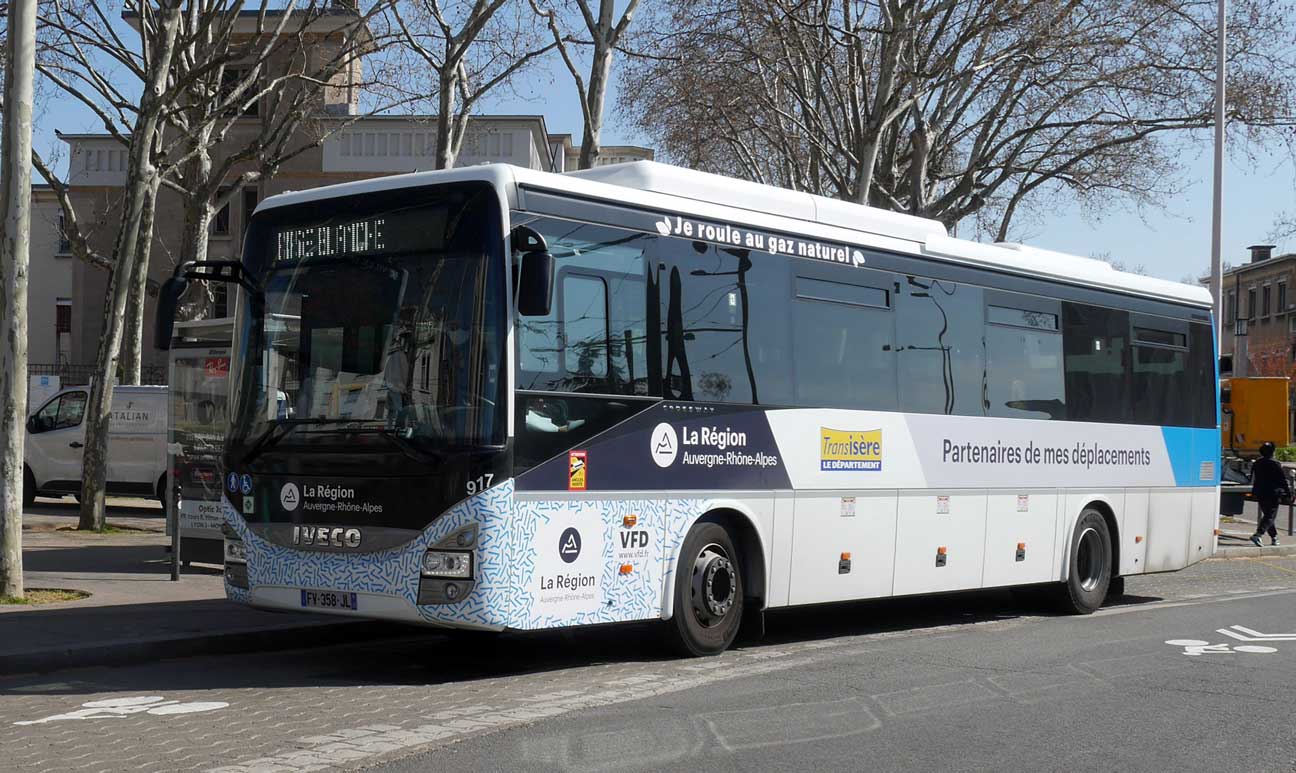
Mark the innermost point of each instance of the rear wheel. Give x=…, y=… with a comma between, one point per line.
x=29, y=487
x=1090, y=565
x=708, y=593
x=161, y=489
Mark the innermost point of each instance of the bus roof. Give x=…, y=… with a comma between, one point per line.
x=674, y=189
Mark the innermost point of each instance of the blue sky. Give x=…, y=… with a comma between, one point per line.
x=1169, y=242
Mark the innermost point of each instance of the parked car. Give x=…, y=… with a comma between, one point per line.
x=137, y=432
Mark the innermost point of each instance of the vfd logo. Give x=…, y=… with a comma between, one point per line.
x=664, y=445
x=850, y=450
x=569, y=545
x=289, y=497
x=634, y=539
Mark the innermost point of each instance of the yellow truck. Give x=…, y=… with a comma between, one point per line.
x=1255, y=410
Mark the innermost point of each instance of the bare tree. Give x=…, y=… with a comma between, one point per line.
x=953, y=109
x=606, y=33
x=469, y=48
x=15, y=229
x=257, y=99
x=78, y=27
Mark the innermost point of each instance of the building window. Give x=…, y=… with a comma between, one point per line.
x=63, y=329
x=1251, y=303
x=1282, y=298
x=220, y=225
x=1264, y=301
x=220, y=300
x=64, y=245
x=63, y=315
x=231, y=79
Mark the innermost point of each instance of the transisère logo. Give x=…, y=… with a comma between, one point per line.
x=289, y=497
x=664, y=445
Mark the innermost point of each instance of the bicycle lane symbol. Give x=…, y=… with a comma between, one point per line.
x=121, y=707
x=1196, y=647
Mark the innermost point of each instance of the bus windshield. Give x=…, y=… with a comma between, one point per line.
x=388, y=323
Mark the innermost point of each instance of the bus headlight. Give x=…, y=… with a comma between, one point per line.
x=235, y=551
x=445, y=563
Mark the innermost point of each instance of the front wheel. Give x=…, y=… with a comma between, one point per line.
x=708, y=593
x=1090, y=565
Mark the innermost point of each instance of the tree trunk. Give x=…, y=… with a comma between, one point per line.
x=199, y=212
x=445, y=150
x=596, y=94
x=133, y=340
x=15, y=152
x=140, y=178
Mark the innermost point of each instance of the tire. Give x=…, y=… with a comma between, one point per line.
x=1090, y=565
x=29, y=487
x=708, y=593
x=161, y=489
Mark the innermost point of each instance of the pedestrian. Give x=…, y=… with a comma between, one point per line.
x=1268, y=487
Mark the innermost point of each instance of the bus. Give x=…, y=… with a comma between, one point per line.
x=495, y=398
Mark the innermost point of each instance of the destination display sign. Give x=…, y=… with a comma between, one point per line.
x=391, y=233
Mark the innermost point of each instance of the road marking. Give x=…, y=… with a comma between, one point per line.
x=1155, y=605
x=121, y=707
x=1275, y=566
x=1250, y=635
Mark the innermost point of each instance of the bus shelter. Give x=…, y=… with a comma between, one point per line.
x=197, y=420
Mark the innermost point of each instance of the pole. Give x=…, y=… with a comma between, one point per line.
x=1217, y=203
x=15, y=166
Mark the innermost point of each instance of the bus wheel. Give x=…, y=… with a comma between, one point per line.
x=1090, y=567
x=708, y=593
x=29, y=487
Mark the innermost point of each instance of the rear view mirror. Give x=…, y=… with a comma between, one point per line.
x=164, y=321
x=536, y=284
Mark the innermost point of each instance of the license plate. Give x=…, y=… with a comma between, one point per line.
x=328, y=599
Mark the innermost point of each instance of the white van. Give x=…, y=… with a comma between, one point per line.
x=137, y=433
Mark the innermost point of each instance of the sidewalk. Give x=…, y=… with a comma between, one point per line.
x=135, y=612
x=1235, y=536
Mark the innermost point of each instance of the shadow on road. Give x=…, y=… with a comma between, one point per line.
x=397, y=656
x=70, y=508
x=107, y=559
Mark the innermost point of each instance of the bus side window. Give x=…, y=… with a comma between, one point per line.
x=844, y=343
x=1024, y=376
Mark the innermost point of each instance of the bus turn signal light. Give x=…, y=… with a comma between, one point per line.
x=627, y=568
x=629, y=521
x=1138, y=539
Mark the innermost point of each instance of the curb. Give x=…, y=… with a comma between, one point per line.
x=1246, y=550
x=132, y=652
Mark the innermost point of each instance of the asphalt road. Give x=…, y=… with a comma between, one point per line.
x=973, y=681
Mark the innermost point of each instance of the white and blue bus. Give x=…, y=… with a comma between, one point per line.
x=494, y=398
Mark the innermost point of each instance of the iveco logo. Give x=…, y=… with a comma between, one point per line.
x=326, y=536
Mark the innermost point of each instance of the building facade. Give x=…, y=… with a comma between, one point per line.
x=1259, y=314
x=66, y=296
